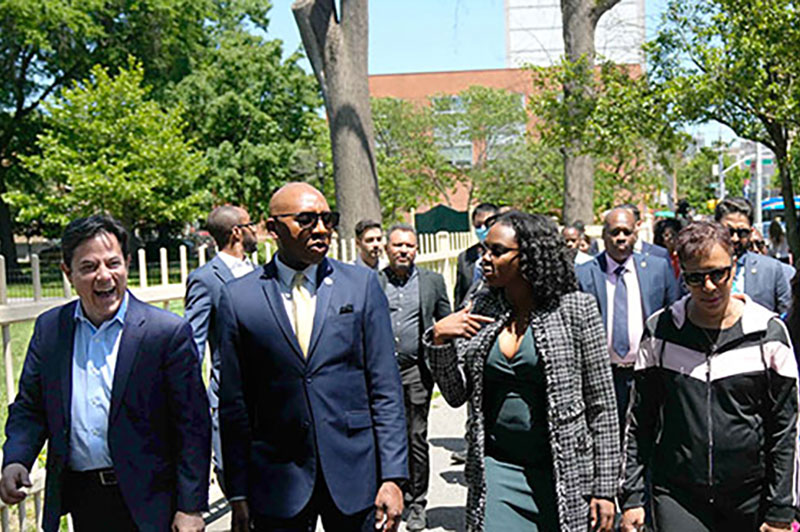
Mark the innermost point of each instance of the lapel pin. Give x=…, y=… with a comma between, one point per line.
x=328, y=281
x=644, y=264
x=753, y=270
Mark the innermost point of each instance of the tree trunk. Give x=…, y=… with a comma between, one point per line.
x=789, y=212
x=579, y=20
x=7, y=247
x=337, y=50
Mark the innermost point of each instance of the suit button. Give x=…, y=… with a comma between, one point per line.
x=308, y=380
x=306, y=424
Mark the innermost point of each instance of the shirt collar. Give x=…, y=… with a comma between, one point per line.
x=230, y=261
x=396, y=280
x=612, y=265
x=119, y=317
x=286, y=273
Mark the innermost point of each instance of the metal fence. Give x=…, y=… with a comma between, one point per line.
x=42, y=286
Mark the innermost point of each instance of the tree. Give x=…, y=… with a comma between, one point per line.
x=579, y=20
x=411, y=168
x=626, y=129
x=109, y=149
x=252, y=112
x=697, y=182
x=46, y=44
x=736, y=62
x=336, y=44
x=486, y=121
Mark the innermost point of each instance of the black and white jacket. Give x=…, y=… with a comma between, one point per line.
x=715, y=413
x=581, y=409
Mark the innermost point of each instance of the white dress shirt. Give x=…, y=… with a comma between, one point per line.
x=238, y=267
x=635, y=312
x=285, y=279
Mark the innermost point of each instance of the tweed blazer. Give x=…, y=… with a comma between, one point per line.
x=581, y=408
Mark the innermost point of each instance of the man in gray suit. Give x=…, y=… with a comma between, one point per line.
x=758, y=276
x=416, y=297
x=235, y=236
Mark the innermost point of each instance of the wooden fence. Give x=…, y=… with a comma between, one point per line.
x=437, y=252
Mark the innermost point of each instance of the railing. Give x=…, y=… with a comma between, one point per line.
x=437, y=252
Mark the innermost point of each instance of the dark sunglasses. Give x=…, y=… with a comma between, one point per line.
x=496, y=250
x=741, y=232
x=248, y=225
x=717, y=276
x=758, y=244
x=620, y=230
x=309, y=219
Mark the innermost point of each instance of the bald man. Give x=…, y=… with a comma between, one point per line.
x=311, y=402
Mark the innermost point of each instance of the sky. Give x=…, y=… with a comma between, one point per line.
x=441, y=35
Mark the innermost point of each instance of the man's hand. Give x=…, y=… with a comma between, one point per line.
x=188, y=522
x=388, y=507
x=632, y=520
x=15, y=476
x=602, y=514
x=240, y=518
x=772, y=526
x=461, y=324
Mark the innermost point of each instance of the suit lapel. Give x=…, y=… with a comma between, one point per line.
x=221, y=269
x=643, y=275
x=599, y=279
x=67, y=327
x=132, y=334
x=275, y=300
x=325, y=282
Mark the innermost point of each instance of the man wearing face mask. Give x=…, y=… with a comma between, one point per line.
x=759, y=276
x=629, y=287
x=234, y=233
x=466, y=272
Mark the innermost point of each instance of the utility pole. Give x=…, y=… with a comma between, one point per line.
x=721, y=171
x=759, y=184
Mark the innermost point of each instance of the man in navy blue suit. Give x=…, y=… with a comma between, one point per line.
x=234, y=233
x=629, y=287
x=114, y=386
x=311, y=402
x=761, y=277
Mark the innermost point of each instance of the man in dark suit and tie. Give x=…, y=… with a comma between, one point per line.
x=466, y=272
x=114, y=387
x=759, y=276
x=417, y=298
x=629, y=287
x=234, y=233
x=311, y=402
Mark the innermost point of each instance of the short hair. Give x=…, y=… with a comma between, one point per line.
x=545, y=261
x=83, y=229
x=698, y=238
x=400, y=227
x=637, y=214
x=734, y=205
x=609, y=213
x=221, y=222
x=364, y=225
x=661, y=228
x=484, y=207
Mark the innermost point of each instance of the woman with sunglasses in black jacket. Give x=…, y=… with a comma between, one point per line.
x=714, y=415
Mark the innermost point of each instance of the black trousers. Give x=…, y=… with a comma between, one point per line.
x=95, y=507
x=694, y=511
x=320, y=506
x=418, y=405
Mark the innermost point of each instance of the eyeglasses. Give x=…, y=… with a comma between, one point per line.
x=248, y=225
x=741, y=232
x=717, y=276
x=497, y=250
x=620, y=230
x=309, y=219
x=758, y=244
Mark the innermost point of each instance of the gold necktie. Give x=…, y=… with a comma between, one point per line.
x=303, y=312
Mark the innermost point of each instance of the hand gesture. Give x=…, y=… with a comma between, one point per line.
x=461, y=324
x=388, y=507
x=188, y=522
x=602, y=514
x=13, y=483
x=632, y=520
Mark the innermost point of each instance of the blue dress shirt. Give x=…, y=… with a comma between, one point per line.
x=94, y=358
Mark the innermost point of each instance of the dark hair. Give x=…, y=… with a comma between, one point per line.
x=364, y=225
x=545, y=261
x=661, y=228
x=400, y=227
x=83, y=229
x=637, y=215
x=697, y=239
x=484, y=207
x=221, y=222
x=734, y=205
x=776, y=233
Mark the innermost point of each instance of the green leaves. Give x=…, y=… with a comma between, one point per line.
x=110, y=149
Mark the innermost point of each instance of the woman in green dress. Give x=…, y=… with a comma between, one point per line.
x=543, y=442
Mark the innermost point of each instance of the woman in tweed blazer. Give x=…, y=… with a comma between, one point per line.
x=532, y=284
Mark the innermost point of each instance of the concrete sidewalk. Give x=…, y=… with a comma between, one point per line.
x=448, y=492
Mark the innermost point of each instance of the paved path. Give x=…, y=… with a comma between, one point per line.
x=447, y=489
